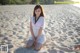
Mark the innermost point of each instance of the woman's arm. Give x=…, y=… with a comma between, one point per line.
x=31, y=30
x=41, y=28
x=39, y=32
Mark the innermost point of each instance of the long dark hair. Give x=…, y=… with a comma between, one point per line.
x=36, y=7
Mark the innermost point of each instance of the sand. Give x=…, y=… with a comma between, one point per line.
x=62, y=28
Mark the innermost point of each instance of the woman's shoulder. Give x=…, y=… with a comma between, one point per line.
x=31, y=18
x=42, y=17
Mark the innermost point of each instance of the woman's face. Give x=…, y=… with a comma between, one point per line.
x=38, y=12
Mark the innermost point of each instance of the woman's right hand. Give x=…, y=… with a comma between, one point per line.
x=34, y=38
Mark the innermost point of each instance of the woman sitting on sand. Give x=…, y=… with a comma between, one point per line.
x=36, y=28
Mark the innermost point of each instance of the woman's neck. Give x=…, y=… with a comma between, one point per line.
x=37, y=17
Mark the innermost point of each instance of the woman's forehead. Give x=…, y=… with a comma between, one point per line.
x=38, y=9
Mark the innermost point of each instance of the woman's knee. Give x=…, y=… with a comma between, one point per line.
x=30, y=43
x=38, y=46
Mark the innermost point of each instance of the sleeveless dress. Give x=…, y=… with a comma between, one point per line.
x=36, y=26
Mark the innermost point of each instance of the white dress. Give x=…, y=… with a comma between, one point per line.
x=36, y=26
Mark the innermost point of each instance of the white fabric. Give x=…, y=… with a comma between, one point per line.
x=36, y=27
x=39, y=23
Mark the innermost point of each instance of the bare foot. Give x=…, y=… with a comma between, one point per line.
x=77, y=47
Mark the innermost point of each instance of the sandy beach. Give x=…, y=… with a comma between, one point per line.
x=62, y=28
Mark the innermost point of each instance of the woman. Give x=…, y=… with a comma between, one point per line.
x=36, y=28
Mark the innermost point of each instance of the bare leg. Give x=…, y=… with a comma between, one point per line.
x=38, y=46
x=29, y=43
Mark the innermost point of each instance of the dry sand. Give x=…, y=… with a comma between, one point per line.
x=62, y=28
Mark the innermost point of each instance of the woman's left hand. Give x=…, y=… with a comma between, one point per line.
x=36, y=38
x=35, y=41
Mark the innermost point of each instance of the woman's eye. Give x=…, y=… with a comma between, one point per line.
x=38, y=11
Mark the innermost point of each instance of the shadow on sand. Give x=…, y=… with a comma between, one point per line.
x=25, y=50
x=31, y=50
